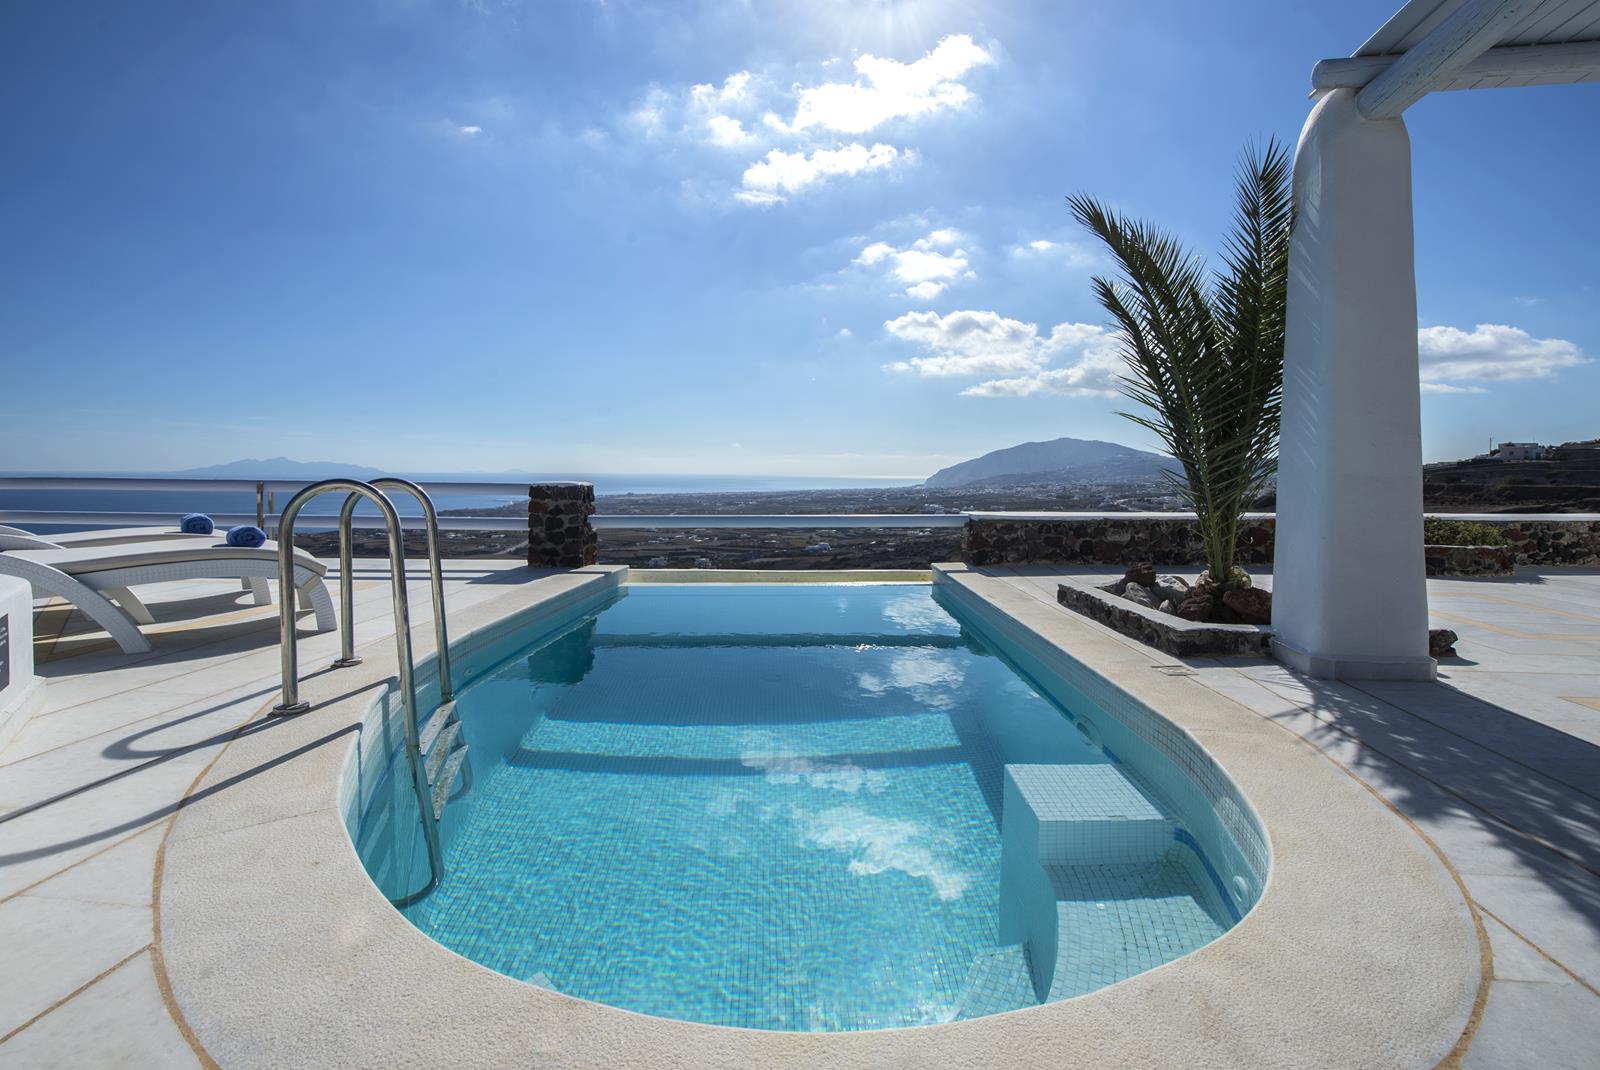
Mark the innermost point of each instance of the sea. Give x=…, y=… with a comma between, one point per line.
x=178, y=502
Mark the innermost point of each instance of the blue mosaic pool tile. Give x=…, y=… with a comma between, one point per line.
x=779, y=832
x=999, y=980
x=1119, y=920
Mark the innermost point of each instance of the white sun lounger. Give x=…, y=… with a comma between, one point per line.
x=18, y=539
x=90, y=576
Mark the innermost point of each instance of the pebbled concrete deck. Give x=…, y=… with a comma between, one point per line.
x=1498, y=763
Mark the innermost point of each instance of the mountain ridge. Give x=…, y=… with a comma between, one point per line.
x=1064, y=460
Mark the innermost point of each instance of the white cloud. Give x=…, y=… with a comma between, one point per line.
x=920, y=265
x=887, y=89
x=1093, y=375
x=845, y=332
x=649, y=118
x=1446, y=388
x=469, y=131
x=726, y=132
x=735, y=89
x=776, y=176
x=1054, y=251
x=745, y=112
x=939, y=239
x=1489, y=353
x=925, y=272
x=1014, y=353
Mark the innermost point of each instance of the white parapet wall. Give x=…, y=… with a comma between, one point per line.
x=19, y=687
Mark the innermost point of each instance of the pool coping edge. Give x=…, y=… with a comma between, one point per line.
x=328, y=972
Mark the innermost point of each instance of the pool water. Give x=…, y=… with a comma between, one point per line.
x=775, y=807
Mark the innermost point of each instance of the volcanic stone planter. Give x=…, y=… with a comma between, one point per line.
x=1167, y=633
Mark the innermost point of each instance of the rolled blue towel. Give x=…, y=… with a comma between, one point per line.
x=196, y=524
x=247, y=535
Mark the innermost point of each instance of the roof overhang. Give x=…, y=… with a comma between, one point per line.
x=1434, y=45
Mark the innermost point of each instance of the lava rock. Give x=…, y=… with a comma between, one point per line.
x=1237, y=577
x=1172, y=588
x=1198, y=605
x=1250, y=605
x=1441, y=642
x=1143, y=573
x=1139, y=595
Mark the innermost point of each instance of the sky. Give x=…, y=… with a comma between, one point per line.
x=803, y=237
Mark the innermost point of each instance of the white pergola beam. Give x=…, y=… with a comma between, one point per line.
x=1578, y=61
x=1471, y=30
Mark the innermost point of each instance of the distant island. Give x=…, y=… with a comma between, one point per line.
x=280, y=468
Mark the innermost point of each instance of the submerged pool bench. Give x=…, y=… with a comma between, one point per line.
x=1079, y=841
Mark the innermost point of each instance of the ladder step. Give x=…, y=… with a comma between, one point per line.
x=444, y=746
x=435, y=725
x=441, y=789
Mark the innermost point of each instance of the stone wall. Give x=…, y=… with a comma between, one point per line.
x=559, y=532
x=1103, y=540
x=1174, y=542
x=1469, y=560
x=1551, y=541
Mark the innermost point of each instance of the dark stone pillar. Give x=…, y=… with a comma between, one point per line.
x=559, y=532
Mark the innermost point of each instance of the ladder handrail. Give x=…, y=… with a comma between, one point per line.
x=347, y=621
x=292, y=705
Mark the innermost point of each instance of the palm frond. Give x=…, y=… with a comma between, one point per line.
x=1204, y=355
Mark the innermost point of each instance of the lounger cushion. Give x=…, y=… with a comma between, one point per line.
x=83, y=560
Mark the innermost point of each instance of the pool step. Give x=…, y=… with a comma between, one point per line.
x=1060, y=820
x=1113, y=921
x=435, y=724
x=999, y=980
x=441, y=750
x=1082, y=815
x=441, y=788
x=444, y=754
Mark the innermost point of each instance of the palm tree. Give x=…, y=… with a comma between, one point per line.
x=1204, y=353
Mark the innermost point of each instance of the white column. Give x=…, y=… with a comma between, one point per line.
x=1349, y=598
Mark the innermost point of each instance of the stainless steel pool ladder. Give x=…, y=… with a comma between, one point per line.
x=440, y=749
x=435, y=751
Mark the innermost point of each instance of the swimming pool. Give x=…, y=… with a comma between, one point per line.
x=780, y=807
